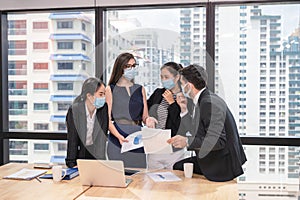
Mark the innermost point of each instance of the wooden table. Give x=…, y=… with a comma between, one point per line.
x=23, y=189
x=142, y=187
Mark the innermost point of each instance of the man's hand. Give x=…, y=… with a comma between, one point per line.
x=178, y=141
x=182, y=102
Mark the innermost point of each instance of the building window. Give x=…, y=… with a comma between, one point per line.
x=40, y=25
x=40, y=106
x=61, y=146
x=40, y=45
x=40, y=66
x=62, y=127
x=65, y=65
x=83, y=46
x=83, y=26
x=18, y=125
x=41, y=147
x=64, y=45
x=40, y=86
x=41, y=126
x=64, y=25
x=17, y=47
x=18, y=147
x=64, y=86
x=17, y=27
x=62, y=106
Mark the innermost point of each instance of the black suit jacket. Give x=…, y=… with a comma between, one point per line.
x=215, y=139
x=77, y=129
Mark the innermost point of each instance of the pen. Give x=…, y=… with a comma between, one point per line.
x=161, y=176
x=38, y=179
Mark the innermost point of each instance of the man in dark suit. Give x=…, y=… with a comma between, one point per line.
x=211, y=131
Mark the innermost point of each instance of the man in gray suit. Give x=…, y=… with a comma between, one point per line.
x=211, y=131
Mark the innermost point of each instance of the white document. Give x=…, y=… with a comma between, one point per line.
x=26, y=174
x=134, y=142
x=163, y=177
x=155, y=141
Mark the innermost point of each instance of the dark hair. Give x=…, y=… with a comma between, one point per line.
x=172, y=67
x=90, y=85
x=196, y=75
x=119, y=65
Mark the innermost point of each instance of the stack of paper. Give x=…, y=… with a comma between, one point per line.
x=26, y=174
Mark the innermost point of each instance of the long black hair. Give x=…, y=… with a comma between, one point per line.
x=90, y=85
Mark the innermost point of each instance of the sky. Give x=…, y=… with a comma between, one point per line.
x=170, y=18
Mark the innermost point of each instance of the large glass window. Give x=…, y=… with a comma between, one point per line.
x=155, y=39
x=43, y=83
x=264, y=92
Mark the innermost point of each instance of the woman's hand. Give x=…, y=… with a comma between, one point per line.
x=150, y=122
x=168, y=95
x=182, y=102
x=122, y=139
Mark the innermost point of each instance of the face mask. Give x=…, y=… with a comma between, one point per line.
x=168, y=84
x=129, y=74
x=186, y=94
x=99, y=102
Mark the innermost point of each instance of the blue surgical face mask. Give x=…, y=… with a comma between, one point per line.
x=168, y=84
x=129, y=74
x=99, y=102
x=186, y=94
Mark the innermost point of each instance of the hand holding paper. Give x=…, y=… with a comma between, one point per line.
x=134, y=142
x=155, y=141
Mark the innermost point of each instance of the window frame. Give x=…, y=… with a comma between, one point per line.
x=5, y=135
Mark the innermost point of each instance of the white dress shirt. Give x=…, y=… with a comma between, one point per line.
x=90, y=121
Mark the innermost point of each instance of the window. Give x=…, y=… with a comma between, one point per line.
x=157, y=45
x=37, y=71
x=64, y=45
x=62, y=127
x=40, y=86
x=17, y=47
x=40, y=66
x=41, y=106
x=40, y=25
x=41, y=147
x=63, y=106
x=18, y=125
x=64, y=86
x=41, y=126
x=17, y=27
x=62, y=146
x=83, y=46
x=17, y=67
x=83, y=26
x=65, y=65
x=64, y=25
x=18, y=147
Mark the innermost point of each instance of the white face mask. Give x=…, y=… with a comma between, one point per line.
x=129, y=74
x=186, y=94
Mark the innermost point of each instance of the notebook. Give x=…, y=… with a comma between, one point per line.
x=26, y=174
x=109, y=173
x=71, y=173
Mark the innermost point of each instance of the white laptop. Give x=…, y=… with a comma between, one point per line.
x=108, y=173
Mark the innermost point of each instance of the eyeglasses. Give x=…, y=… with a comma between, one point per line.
x=129, y=66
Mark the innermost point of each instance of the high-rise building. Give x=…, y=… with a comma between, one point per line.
x=251, y=58
x=49, y=57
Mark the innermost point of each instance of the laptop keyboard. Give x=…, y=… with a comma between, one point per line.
x=129, y=172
